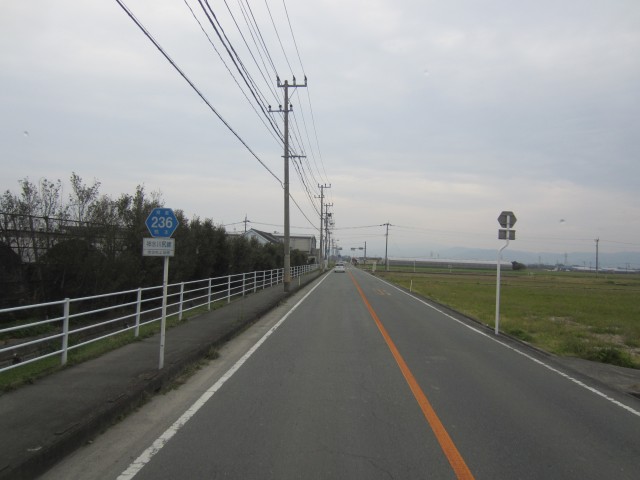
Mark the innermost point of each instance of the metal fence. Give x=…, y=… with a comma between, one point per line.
x=80, y=321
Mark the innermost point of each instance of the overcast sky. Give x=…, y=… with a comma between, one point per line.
x=433, y=116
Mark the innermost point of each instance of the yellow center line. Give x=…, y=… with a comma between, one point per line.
x=448, y=447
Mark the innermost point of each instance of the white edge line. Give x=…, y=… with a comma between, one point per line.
x=526, y=355
x=161, y=441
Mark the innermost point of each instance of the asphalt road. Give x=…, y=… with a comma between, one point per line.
x=362, y=381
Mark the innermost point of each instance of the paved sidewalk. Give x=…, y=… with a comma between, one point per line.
x=43, y=422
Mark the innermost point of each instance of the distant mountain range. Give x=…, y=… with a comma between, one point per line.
x=621, y=260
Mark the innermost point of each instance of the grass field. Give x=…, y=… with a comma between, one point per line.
x=565, y=313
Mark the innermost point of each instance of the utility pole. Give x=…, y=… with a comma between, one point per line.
x=386, y=245
x=322, y=210
x=365, y=253
x=326, y=236
x=328, y=222
x=245, y=222
x=597, y=240
x=320, y=253
x=287, y=233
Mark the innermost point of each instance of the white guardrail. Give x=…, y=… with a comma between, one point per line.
x=123, y=311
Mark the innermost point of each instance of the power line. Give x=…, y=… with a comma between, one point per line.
x=281, y=226
x=296, y=130
x=292, y=35
x=200, y=94
x=300, y=209
x=278, y=36
x=308, y=91
x=251, y=26
x=275, y=70
x=262, y=43
x=353, y=228
x=301, y=176
x=315, y=131
x=277, y=136
x=244, y=74
x=235, y=58
x=309, y=143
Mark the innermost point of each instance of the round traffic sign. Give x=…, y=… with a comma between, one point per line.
x=507, y=219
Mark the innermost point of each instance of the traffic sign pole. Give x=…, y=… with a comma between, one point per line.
x=163, y=322
x=161, y=223
x=497, y=322
x=506, y=220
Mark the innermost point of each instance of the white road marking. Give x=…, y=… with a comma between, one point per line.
x=146, y=456
x=520, y=352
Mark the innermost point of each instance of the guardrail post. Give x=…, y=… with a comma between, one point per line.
x=243, y=284
x=255, y=281
x=65, y=332
x=181, y=301
x=209, y=296
x=138, y=309
x=229, y=289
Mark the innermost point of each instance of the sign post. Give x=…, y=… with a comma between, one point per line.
x=506, y=220
x=161, y=223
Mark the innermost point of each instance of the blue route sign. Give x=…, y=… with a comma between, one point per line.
x=161, y=222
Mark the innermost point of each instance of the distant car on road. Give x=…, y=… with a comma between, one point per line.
x=339, y=268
